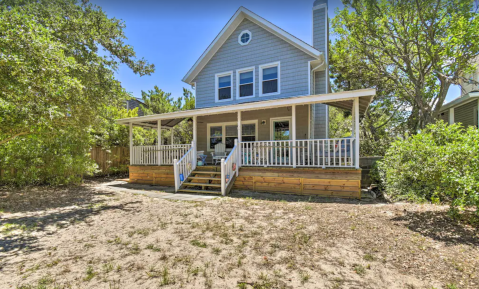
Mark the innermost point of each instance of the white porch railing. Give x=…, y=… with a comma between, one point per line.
x=144, y=155
x=309, y=153
x=149, y=155
x=184, y=167
x=229, y=167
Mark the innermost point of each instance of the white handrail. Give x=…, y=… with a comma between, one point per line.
x=148, y=155
x=229, y=167
x=337, y=152
x=184, y=167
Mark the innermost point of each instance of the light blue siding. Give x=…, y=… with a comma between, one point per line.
x=264, y=48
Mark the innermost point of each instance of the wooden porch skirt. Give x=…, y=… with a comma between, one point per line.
x=330, y=182
x=152, y=175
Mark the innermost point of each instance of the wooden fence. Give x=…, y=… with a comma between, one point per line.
x=114, y=160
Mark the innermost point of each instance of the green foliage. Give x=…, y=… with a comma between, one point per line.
x=411, y=52
x=340, y=123
x=57, y=159
x=57, y=89
x=440, y=164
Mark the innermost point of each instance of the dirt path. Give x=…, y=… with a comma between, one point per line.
x=94, y=237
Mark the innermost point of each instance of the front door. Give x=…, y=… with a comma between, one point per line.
x=280, y=129
x=281, y=133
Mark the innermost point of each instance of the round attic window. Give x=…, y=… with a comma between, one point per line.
x=245, y=37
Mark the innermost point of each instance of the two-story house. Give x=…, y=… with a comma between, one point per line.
x=261, y=117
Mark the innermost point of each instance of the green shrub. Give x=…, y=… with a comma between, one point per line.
x=57, y=158
x=440, y=164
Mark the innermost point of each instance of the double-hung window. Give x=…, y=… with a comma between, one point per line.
x=270, y=79
x=224, y=87
x=245, y=83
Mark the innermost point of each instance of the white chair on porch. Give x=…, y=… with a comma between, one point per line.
x=220, y=153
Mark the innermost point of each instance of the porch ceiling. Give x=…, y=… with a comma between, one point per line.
x=343, y=100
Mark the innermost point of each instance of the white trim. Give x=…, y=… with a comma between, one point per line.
x=292, y=133
x=223, y=134
x=238, y=72
x=217, y=76
x=451, y=115
x=309, y=77
x=231, y=26
x=241, y=34
x=309, y=121
x=271, y=126
x=256, y=105
x=269, y=65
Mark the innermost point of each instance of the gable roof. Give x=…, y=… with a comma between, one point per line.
x=241, y=14
x=460, y=100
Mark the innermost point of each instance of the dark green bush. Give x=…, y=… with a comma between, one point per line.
x=57, y=158
x=440, y=164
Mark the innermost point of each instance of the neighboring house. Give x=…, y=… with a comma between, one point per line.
x=134, y=103
x=463, y=109
x=262, y=98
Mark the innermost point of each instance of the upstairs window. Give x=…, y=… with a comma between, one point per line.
x=224, y=89
x=270, y=80
x=245, y=83
x=244, y=37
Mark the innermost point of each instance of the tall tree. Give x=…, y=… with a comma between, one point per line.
x=52, y=73
x=416, y=49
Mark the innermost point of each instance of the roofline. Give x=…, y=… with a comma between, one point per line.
x=228, y=29
x=459, y=100
x=273, y=103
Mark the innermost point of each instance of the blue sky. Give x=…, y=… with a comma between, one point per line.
x=173, y=34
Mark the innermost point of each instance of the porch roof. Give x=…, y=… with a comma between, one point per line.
x=343, y=100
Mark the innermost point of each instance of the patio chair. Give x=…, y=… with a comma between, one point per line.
x=220, y=153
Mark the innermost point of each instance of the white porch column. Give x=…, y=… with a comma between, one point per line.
x=172, y=135
x=240, y=134
x=159, y=143
x=293, y=131
x=356, y=131
x=131, y=143
x=195, y=141
x=451, y=115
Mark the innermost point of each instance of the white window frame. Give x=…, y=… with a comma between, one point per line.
x=238, y=72
x=261, y=68
x=223, y=135
x=217, y=76
x=271, y=125
x=241, y=34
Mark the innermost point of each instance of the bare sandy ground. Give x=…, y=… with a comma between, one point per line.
x=94, y=237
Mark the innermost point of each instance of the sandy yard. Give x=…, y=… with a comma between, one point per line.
x=96, y=236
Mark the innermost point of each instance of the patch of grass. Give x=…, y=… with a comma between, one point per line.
x=53, y=263
x=195, y=271
x=165, y=277
x=153, y=248
x=216, y=250
x=90, y=274
x=9, y=228
x=135, y=249
x=108, y=267
x=369, y=257
x=452, y=286
x=242, y=285
x=304, y=276
x=198, y=243
x=144, y=232
x=359, y=269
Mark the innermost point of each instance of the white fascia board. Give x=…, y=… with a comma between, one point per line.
x=460, y=101
x=230, y=27
x=258, y=105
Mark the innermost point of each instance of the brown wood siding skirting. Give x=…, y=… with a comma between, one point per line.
x=345, y=183
x=152, y=175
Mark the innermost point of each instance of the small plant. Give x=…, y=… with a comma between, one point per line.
x=216, y=250
x=108, y=267
x=359, y=269
x=153, y=248
x=368, y=257
x=304, y=276
x=90, y=273
x=165, y=277
x=198, y=243
x=451, y=286
x=242, y=285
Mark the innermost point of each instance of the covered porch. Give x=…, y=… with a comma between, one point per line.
x=274, y=133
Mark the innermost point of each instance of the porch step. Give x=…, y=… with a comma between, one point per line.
x=206, y=172
x=199, y=191
x=205, y=178
x=201, y=184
